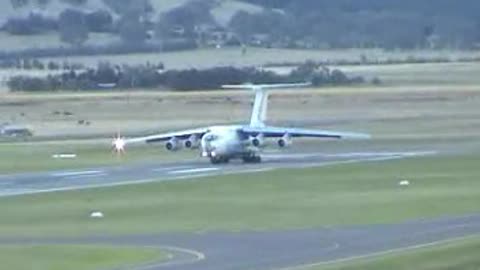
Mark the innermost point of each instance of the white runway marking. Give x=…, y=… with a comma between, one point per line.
x=352, y=155
x=383, y=154
x=78, y=173
x=196, y=256
x=378, y=254
x=198, y=170
x=170, y=168
x=84, y=176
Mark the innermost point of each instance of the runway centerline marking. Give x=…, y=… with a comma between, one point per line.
x=77, y=173
x=197, y=170
x=84, y=176
x=170, y=168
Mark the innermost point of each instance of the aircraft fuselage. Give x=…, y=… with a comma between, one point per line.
x=222, y=143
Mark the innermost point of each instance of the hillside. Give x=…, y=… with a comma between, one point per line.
x=52, y=9
x=389, y=24
x=134, y=26
x=222, y=11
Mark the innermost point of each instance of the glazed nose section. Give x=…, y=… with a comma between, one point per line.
x=207, y=147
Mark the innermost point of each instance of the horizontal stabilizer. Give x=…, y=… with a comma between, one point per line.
x=266, y=86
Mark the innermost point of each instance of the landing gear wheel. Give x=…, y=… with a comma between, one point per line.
x=219, y=160
x=252, y=159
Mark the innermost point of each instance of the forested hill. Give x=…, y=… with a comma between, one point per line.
x=127, y=26
x=429, y=7
x=372, y=23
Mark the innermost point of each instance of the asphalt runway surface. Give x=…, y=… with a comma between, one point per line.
x=30, y=183
x=281, y=250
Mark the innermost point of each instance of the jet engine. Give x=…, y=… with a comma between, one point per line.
x=285, y=141
x=173, y=145
x=192, y=143
x=258, y=141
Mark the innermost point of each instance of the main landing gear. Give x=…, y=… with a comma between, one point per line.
x=219, y=160
x=252, y=159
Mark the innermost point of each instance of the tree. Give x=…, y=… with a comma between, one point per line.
x=75, y=2
x=243, y=24
x=99, y=21
x=33, y=24
x=73, y=27
x=43, y=3
x=19, y=3
x=127, y=6
x=131, y=29
x=186, y=16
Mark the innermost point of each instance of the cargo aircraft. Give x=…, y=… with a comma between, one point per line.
x=222, y=143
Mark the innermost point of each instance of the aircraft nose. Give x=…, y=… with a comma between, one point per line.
x=207, y=146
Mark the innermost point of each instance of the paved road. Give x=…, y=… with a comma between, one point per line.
x=19, y=184
x=283, y=250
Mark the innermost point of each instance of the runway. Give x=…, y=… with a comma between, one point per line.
x=31, y=183
x=280, y=250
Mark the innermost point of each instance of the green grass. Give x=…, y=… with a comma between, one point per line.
x=74, y=257
x=354, y=194
x=416, y=75
x=459, y=255
x=203, y=58
x=32, y=157
x=50, y=40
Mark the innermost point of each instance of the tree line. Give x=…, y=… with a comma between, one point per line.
x=148, y=76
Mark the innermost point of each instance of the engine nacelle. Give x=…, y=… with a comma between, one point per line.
x=173, y=145
x=258, y=141
x=192, y=143
x=285, y=141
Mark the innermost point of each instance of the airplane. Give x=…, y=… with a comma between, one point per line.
x=222, y=143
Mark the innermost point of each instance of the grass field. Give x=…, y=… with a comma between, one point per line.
x=204, y=58
x=346, y=107
x=459, y=255
x=49, y=40
x=453, y=74
x=350, y=194
x=74, y=257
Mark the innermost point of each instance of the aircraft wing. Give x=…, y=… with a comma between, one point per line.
x=277, y=132
x=184, y=134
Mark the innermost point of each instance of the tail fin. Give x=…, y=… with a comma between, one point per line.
x=259, y=113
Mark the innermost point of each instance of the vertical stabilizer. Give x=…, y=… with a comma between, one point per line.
x=259, y=112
